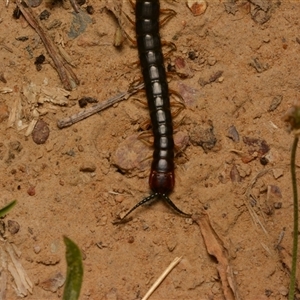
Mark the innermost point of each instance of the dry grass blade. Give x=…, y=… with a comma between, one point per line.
x=249, y=195
x=172, y=265
x=215, y=247
x=10, y=263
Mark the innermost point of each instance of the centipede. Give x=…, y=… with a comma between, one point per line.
x=149, y=45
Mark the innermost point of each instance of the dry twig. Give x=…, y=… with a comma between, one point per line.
x=66, y=74
x=172, y=265
x=68, y=121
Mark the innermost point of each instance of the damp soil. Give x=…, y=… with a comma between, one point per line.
x=237, y=69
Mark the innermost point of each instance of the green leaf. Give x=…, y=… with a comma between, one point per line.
x=74, y=270
x=7, y=208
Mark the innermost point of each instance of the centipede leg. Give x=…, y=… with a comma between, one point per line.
x=170, y=14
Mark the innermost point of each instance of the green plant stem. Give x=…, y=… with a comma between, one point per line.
x=295, y=233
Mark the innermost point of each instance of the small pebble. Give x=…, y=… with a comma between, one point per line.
x=17, y=13
x=263, y=160
x=275, y=102
x=130, y=240
x=40, y=132
x=203, y=136
x=31, y=191
x=39, y=59
x=53, y=283
x=88, y=167
x=277, y=173
x=211, y=61
x=283, y=291
x=90, y=9
x=119, y=198
x=13, y=226
x=192, y=55
x=197, y=7
x=233, y=134
x=171, y=244
x=44, y=15
x=37, y=249
x=277, y=205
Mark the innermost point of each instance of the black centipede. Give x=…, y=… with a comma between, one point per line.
x=162, y=178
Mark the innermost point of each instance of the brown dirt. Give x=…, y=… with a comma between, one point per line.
x=260, y=62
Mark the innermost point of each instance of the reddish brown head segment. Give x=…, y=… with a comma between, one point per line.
x=162, y=182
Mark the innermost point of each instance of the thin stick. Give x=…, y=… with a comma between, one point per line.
x=162, y=277
x=66, y=74
x=68, y=121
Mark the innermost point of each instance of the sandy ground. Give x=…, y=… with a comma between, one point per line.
x=239, y=66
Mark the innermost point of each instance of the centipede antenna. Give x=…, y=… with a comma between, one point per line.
x=145, y=200
x=170, y=202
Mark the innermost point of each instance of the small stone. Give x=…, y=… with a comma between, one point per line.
x=88, y=167
x=31, y=191
x=203, y=136
x=53, y=283
x=283, y=291
x=13, y=226
x=277, y=205
x=171, y=244
x=233, y=134
x=130, y=239
x=211, y=61
x=275, y=102
x=37, y=249
x=277, y=173
x=90, y=9
x=197, y=7
x=40, y=132
x=119, y=198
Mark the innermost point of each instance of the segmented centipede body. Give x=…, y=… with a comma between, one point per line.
x=161, y=179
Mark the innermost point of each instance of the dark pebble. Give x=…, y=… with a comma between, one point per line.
x=90, y=9
x=39, y=60
x=192, y=55
x=22, y=38
x=264, y=161
x=44, y=15
x=13, y=226
x=40, y=132
x=16, y=13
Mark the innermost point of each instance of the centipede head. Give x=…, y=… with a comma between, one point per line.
x=162, y=182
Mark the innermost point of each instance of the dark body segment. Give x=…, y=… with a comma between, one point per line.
x=161, y=178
